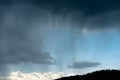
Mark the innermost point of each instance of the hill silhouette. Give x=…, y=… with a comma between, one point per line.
x=97, y=75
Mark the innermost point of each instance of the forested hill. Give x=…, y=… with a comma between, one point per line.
x=97, y=75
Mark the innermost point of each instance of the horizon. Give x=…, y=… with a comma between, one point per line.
x=51, y=76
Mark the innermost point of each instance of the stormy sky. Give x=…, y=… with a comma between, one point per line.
x=72, y=36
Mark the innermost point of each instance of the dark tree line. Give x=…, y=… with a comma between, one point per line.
x=97, y=75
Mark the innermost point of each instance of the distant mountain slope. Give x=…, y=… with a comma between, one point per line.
x=97, y=75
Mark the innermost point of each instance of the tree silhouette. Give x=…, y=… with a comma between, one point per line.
x=97, y=75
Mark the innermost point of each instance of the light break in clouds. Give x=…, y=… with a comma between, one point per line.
x=34, y=76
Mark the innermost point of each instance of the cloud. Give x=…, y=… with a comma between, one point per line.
x=105, y=21
x=34, y=76
x=20, y=42
x=92, y=7
x=82, y=65
x=22, y=25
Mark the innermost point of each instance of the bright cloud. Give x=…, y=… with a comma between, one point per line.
x=34, y=76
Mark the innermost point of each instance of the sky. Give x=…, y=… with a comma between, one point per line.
x=70, y=36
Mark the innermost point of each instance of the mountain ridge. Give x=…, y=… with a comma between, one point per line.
x=96, y=75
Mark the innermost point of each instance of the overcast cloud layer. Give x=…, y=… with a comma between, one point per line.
x=24, y=23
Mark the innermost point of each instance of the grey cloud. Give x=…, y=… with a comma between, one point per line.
x=104, y=21
x=89, y=7
x=19, y=40
x=22, y=25
x=82, y=65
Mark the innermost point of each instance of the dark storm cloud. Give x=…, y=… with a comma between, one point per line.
x=105, y=21
x=23, y=22
x=19, y=18
x=20, y=42
x=82, y=65
x=83, y=14
x=89, y=7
